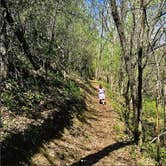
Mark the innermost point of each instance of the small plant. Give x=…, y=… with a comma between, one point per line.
x=117, y=128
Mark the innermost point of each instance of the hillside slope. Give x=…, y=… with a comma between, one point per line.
x=96, y=138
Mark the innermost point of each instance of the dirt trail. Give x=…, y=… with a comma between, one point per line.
x=95, y=142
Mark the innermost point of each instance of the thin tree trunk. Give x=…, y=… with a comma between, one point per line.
x=99, y=65
x=157, y=129
x=138, y=129
x=127, y=106
x=163, y=104
x=158, y=90
x=4, y=50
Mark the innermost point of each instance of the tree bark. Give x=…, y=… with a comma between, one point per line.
x=126, y=54
x=138, y=129
x=4, y=49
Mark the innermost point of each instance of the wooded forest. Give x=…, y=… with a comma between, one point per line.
x=53, y=56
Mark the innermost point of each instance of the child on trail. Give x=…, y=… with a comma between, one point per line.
x=101, y=94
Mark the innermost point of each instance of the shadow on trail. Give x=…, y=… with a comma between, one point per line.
x=94, y=158
x=18, y=148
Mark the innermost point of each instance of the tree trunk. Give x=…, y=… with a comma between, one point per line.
x=20, y=36
x=138, y=129
x=157, y=130
x=4, y=49
x=158, y=97
x=163, y=104
x=127, y=106
x=125, y=53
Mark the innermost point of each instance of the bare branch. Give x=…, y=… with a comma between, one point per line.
x=160, y=46
x=154, y=139
x=154, y=39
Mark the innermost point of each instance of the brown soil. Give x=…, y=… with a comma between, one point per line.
x=99, y=140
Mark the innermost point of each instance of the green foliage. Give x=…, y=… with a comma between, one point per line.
x=19, y=99
x=163, y=155
x=11, y=89
x=134, y=152
x=149, y=117
x=27, y=100
x=117, y=128
x=57, y=32
x=149, y=106
x=151, y=150
x=72, y=90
